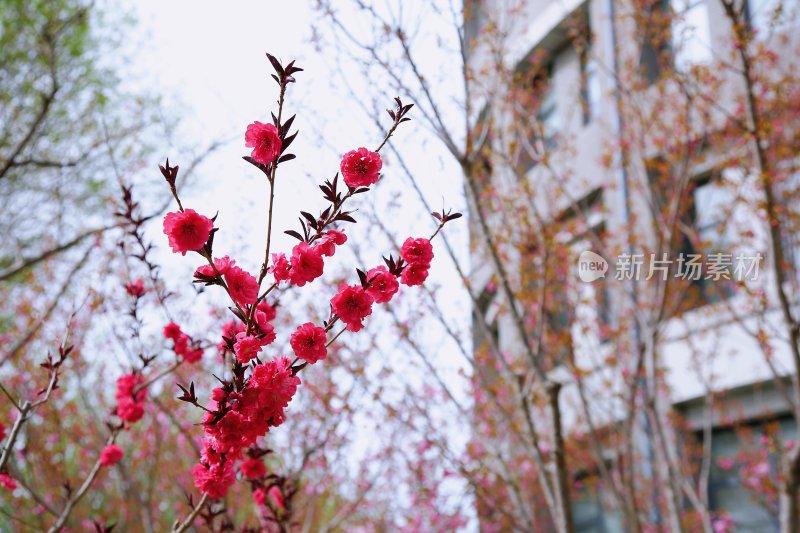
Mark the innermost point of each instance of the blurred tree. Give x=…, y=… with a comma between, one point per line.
x=67, y=126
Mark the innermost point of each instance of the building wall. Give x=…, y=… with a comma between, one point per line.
x=710, y=348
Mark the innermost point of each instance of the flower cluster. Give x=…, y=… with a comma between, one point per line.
x=236, y=419
x=130, y=401
x=418, y=253
x=244, y=408
x=183, y=345
x=247, y=346
x=306, y=263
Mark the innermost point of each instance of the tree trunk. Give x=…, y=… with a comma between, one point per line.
x=789, y=512
x=564, y=519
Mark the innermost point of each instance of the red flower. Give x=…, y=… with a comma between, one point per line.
x=260, y=496
x=417, y=252
x=189, y=353
x=414, y=275
x=382, y=284
x=229, y=330
x=268, y=311
x=129, y=404
x=187, y=231
x=250, y=413
x=172, y=331
x=129, y=411
x=277, y=497
x=135, y=288
x=253, y=468
x=352, y=304
x=2, y=432
x=308, y=343
x=242, y=285
x=111, y=455
x=329, y=240
x=222, y=264
x=307, y=264
x=360, y=167
x=264, y=140
x=214, y=480
x=247, y=347
x=280, y=267
x=8, y=482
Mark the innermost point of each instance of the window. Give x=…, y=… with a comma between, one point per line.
x=655, y=50
x=699, y=240
x=787, y=192
x=546, y=111
x=734, y=464
x=558, y=304
x=691, y=33
x=591, y=509
x=762, y=15
x=487, y=306
x=590, y=84
x=676, y=33
x=474, y=19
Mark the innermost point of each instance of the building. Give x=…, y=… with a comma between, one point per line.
x=621, y=128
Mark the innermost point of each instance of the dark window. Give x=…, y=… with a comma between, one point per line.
x=656, y=50
x=547, y=119
x=590, y=84
x=701, y=268
x=738, y=464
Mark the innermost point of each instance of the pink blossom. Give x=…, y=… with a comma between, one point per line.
x=130, y=401
x=246, y=347
x=276, y=496
x=725, y=463
x=382, y=285
x=308, y=343
x=8, y=482
x=329, y=240
x=414, y=275
x=264, y=140
x=242, y=285
x=417, y=252
x=253, y=468
x=135, y=288
x=111, y=455
x=722, y=524
x=268, y=311
x=187, y=231
x=352, y=304
x=221, y=264
x=214, y=480
x=280, y=267
x=172, y=331
x=307, y=264
x=360, y=167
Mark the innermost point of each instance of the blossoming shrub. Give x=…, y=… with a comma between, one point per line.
x=245, y=407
